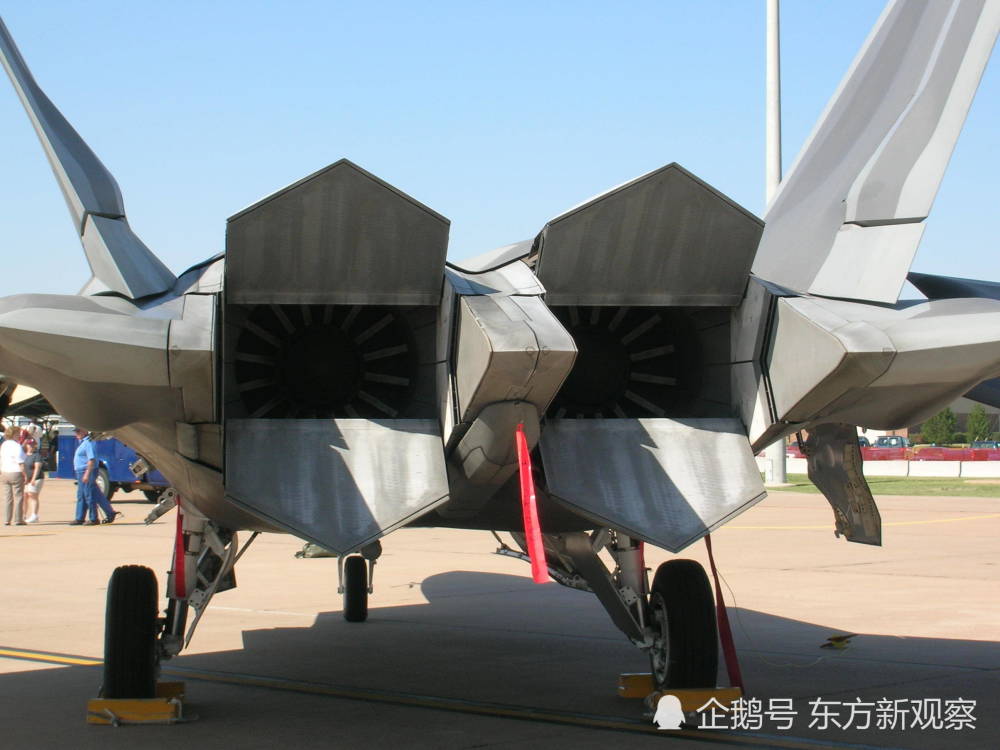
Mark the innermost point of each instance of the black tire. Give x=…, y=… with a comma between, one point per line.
x=682, y=612
x=355, y=589
x=130, y=654
x=153, y=496
x=104, y=483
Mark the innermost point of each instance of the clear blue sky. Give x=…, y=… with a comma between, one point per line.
x=497, y=115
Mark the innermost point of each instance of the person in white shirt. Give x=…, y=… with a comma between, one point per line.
x=12, y=476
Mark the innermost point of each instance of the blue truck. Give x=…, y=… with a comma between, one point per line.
x=114, y=460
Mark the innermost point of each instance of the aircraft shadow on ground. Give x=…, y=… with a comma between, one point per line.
x=492, y=637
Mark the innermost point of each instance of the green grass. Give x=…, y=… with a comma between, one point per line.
x=931, y=486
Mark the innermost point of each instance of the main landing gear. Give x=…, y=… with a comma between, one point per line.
x=135, y=638
x=684, y=651
x=130, y=657
x=673, y=620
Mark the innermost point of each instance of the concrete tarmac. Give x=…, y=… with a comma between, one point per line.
x=450, y=620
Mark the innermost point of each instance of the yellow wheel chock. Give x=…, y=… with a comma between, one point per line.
x=166, y=708
x=640, y=685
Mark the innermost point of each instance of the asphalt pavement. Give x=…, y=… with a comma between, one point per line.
x=462, y=650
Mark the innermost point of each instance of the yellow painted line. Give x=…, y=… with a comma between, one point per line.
x=888, y=523
x=467, y=706
x=77, y=661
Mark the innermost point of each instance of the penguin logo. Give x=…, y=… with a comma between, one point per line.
x=668, y=713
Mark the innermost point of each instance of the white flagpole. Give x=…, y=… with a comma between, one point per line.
x=775, y=453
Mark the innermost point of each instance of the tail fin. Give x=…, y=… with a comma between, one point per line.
x=119, y=260
x=847, y=220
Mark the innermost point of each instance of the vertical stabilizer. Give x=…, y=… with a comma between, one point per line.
x=847, y=220
x=120, y=262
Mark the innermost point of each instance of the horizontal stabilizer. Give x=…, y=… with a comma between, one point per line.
x=846, y=220
x=341, y=483
x=987, y=392
x=118, y=258
x=666, y=481
x=948, y=287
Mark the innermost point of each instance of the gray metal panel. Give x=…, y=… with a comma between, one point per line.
x=339, y=236
x=513, y=278
x=447, y=404
x=96, y=364
x=192, y=358
x=341, y=483
x=835, y=467
x=210, y=444
x=82, y=341
x=667, y=481
x=118, y=259
x=814, y=360
x=842, y=223
x=509, y=349
x=665, y=238
x=497, y=257
x=878, y=366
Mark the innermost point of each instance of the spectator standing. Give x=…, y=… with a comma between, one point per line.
x=34, y=470
x=12, y=476
x=88, y=494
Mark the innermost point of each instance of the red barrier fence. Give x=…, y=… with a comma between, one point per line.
x=919, y=453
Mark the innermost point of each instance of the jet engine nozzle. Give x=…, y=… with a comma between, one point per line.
x=331, y=322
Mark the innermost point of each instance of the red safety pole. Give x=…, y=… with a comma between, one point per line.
x=529, y=509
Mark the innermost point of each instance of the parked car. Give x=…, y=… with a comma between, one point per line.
x=792, y=450
x=891, y=441
x=864, y=442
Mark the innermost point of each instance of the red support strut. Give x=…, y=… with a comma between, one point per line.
x=180, y=580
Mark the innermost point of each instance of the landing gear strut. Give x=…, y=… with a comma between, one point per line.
x=673, y=620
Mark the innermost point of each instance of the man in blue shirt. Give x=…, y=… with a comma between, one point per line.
x=88, y=494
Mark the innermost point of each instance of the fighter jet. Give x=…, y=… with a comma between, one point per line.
x=602, y=386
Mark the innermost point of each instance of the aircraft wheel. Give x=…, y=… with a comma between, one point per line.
x=104, y=482
x=130, y=634
x=685, y=652
x=355, y=589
